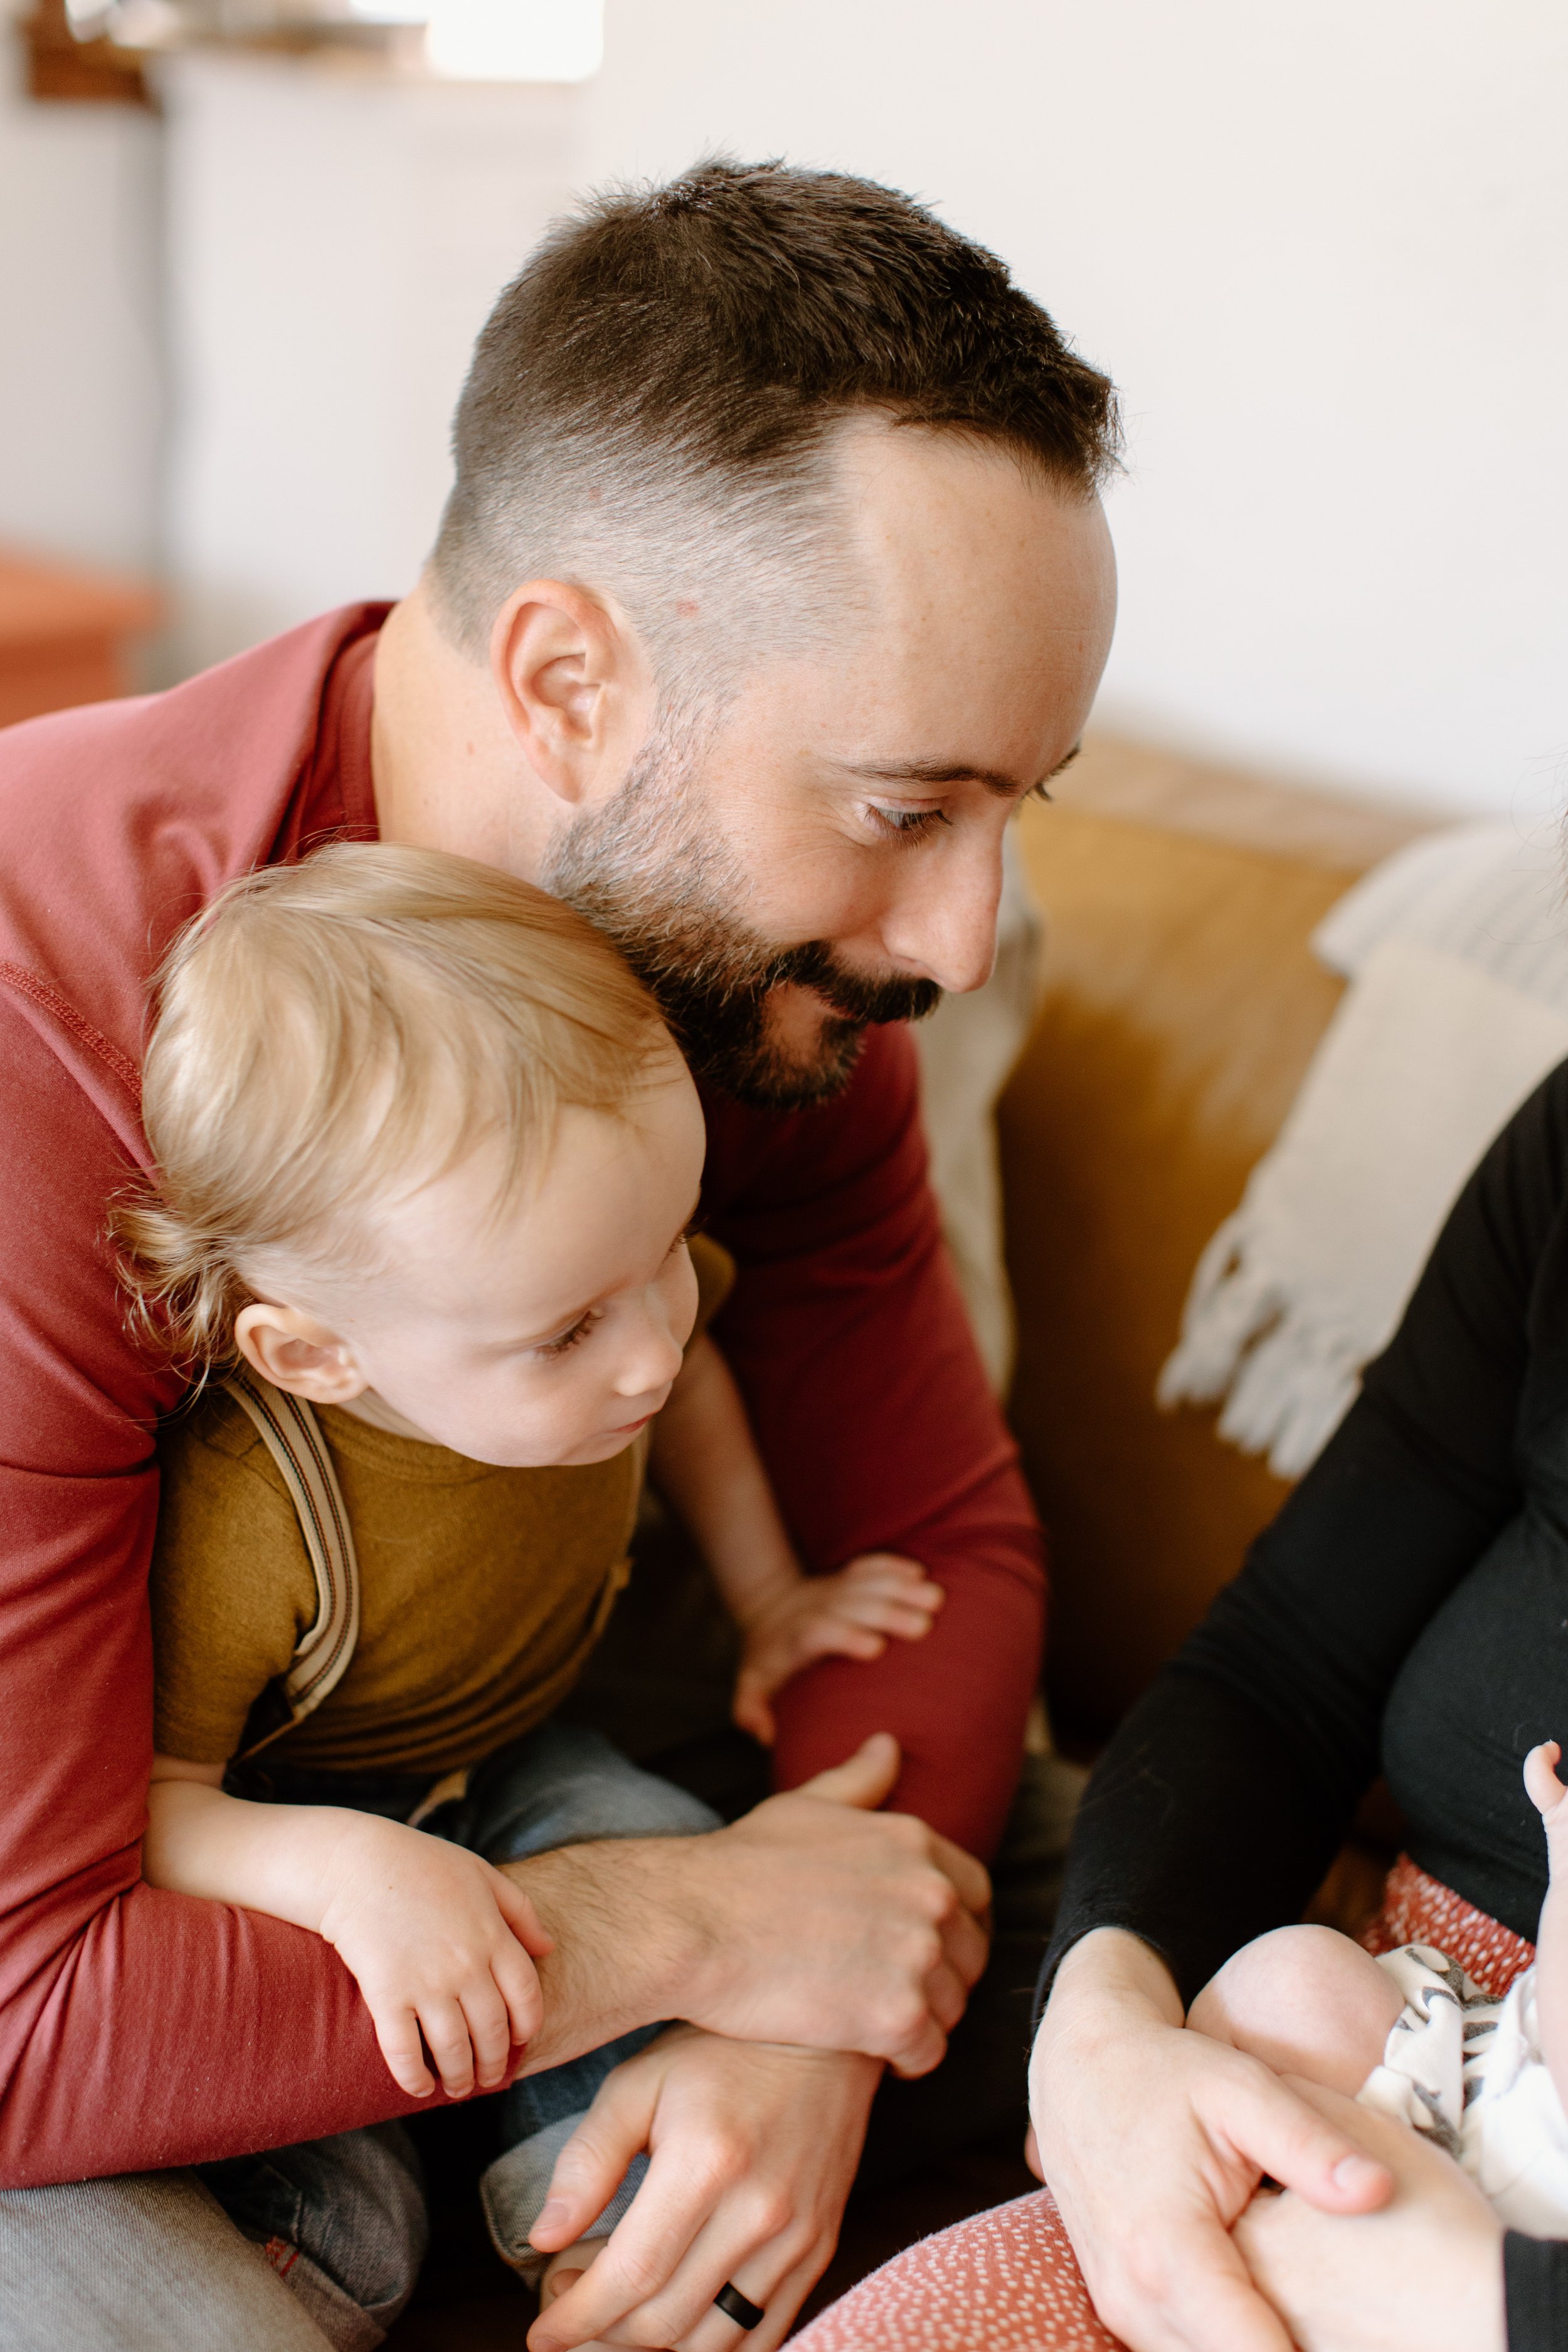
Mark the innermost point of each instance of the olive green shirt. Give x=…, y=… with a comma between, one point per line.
x=482, y=1589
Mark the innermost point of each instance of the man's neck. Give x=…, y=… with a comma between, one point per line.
x=447, y=771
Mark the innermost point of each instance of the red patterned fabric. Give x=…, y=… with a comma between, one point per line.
x=1421, y=1910
x=1003, y=2282
x=1007, y=2280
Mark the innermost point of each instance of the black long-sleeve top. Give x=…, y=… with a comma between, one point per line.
x=1407, y=1611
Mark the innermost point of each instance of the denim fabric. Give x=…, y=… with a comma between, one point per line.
x=341, y=2220
x=144, y=2263
x=149, y=2262
x=351, y=2208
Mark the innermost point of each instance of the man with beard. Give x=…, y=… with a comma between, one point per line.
x=773, y=580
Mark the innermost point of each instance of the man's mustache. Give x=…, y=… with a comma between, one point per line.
x=855, y=997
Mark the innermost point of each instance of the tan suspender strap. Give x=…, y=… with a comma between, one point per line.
x=292, y=1435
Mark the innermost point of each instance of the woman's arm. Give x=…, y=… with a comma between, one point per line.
x=1154, y=2140
x=1223, y=1796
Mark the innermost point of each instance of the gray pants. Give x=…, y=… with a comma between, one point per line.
x=150, y=2262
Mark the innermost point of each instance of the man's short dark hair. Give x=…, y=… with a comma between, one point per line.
x=653, y=402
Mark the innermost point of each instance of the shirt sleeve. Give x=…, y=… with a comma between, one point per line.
x=1535, y=2292
x=1222, y=1799
x=848, y=1337
x=138, y=2028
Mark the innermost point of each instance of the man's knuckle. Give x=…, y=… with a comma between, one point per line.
x=923, y=1951
x=902, y=2018
x=640, y=2273
x=717, y=2169
x=771, y=2213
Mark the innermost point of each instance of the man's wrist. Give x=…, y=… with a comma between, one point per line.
x=633, y=1935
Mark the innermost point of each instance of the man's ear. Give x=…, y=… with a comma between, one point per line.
x=575, y=684
x=295, y=1352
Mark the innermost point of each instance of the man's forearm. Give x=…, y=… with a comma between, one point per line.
x=815, y=1920
x=627, y=1917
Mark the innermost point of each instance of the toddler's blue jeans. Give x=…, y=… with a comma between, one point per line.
x=342, y=2220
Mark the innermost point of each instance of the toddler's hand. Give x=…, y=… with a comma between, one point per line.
x=1545, y=1791
x=848, y=1615
x=439, y=1944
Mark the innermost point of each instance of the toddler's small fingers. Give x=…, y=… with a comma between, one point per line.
x=490, y=2031
x=520, y=1916
x=841, y=1636
x=901, y=1584
x=446, y=2032
x=751, y=1712
x=397, y=2031
x=519, y=1988
x=883, y=1614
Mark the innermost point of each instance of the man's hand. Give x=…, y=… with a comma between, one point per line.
x=438, y=1943
x=753, y=2152
x=1426, y=2269
x=847, y=1615
x=812, y=1920
x=1153, y=2139
x=842, y=1928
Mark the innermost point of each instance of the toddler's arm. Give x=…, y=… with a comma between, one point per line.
x=705, y=1461
x=1551, y=1800
x=437, y=1941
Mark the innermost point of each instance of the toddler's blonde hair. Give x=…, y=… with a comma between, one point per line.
x=330, y=1033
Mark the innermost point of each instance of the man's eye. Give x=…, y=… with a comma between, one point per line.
x=904, y=823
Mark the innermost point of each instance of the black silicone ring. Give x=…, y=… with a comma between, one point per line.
x=736, y=2306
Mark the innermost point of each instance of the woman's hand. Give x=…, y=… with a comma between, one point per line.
x=754, y=2148
x=847, y=1615
x=1426, y=2269
x=1154, y=2140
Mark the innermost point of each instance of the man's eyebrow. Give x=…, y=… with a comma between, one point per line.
x=956, y=772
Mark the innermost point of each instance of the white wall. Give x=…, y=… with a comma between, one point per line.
x=1320, y=243
x=80, y=365
x=334, y=243
x=1323, y=246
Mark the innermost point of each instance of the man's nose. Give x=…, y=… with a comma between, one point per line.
x=943, y=923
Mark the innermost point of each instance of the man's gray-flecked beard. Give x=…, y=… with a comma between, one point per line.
x=648, y=871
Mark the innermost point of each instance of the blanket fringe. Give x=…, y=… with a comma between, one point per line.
x=1288, y=1380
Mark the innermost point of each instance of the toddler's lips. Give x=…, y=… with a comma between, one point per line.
x=630, y=1428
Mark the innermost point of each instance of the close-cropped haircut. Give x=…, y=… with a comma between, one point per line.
x=652, y=405
x=328, y=1037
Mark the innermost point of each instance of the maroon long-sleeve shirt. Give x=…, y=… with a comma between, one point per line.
x=140, y=2028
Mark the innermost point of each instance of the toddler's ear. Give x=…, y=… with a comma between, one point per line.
x=295, y=1352
x=1545, y=1791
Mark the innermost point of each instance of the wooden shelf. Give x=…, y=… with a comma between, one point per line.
x=95, y=73
x=64, y=635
